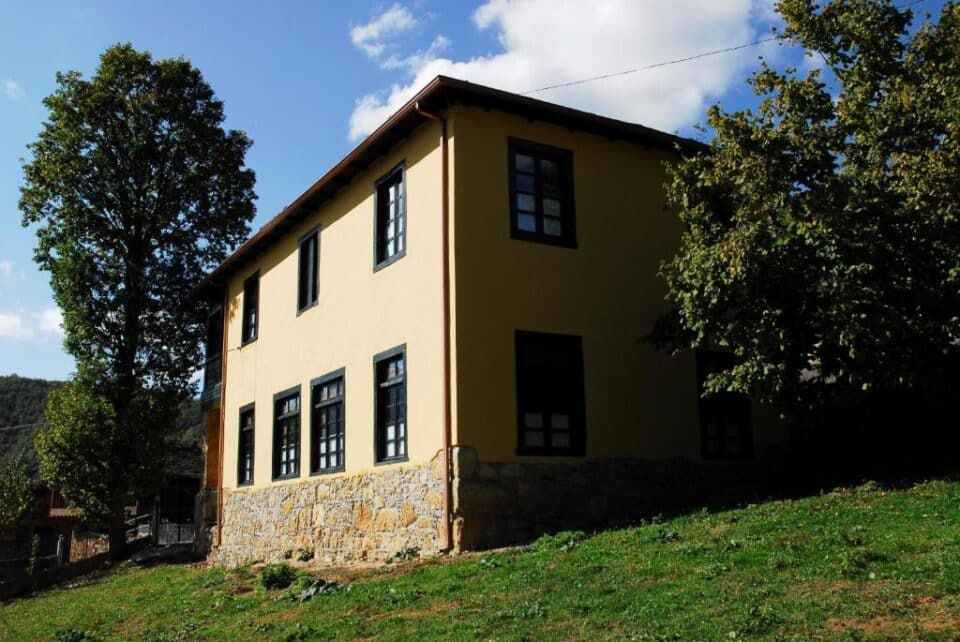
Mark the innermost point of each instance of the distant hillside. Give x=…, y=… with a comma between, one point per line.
x=22, y=401
x=21, y=408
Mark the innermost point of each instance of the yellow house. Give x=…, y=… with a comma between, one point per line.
x=438, y=346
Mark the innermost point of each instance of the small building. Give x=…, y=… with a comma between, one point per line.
x=439, y=345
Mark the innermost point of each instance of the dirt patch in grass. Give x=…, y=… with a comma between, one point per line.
x=928, y=616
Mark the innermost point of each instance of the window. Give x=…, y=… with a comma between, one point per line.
x=309, y=282
x=327, y=423
x=391, y=216
x=541, y=193
x=391, y=398
x=725, y=430
x=550, y=407
x=251, y=304
x=245, y=441
x=286, y=434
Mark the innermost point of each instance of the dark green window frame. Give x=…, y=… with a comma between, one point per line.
x=328, y=403
x=251, y=309
x=726, y=429
x=390, y=217
x=551, y=416
x=246, y=440
x=541, y=193
x=286, y=434
x=308, y=270
x=390, y=405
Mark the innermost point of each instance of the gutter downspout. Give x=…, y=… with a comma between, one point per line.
x=445, y=328
x=223, y=414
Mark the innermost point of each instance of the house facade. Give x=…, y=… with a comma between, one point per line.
x=439, y=345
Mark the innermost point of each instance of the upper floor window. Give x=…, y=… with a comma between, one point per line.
x=245, y=446
x=541, y=193
x=391, y=410
x=308, y=276
x=550, y=405
x=327, y=423
x=251, y=305
x=286, y=434
x=391, y=217
x=214, y=346
x=725, y=427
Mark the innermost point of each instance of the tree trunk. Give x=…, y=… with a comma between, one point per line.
x=118, y=536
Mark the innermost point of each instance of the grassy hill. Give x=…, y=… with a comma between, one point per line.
x=865, y=563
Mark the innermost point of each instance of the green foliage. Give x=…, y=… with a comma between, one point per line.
x=406, y=554
x=22, y=401
x=562, y=541
x=136, y=192
x=16, y=487
x=616, y=585
x=74, y=635
x=277, y=576
x=821, y=231
x=305, y=555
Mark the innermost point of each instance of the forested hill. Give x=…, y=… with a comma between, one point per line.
x=22, y=401
x=21, y=408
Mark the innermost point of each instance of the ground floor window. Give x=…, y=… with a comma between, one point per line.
x=327, y=423
x=390, y=369
x=725, y=426
x=245, y=441
x=286, y=434
x=550, y=397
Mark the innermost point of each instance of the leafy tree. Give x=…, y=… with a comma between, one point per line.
x=137, y=192
x=822, y=239
x=16, y=487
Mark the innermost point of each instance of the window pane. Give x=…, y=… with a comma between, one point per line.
x=551, y=207
x=525, y=183
x=550, y=171
x=526, y=202
x=533, y=420
x=527, y=222
x=524, y=163
x=560, y=440
x=533, y=439
x=560, y=422
x=552, y=227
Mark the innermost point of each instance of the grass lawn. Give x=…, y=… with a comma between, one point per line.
x=856, y=564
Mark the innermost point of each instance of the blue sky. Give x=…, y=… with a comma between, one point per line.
x=307, y=80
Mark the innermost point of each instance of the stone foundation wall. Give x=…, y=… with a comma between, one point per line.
x=502, y=503
x=367, y=516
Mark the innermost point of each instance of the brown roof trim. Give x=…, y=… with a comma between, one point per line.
x=443, y=91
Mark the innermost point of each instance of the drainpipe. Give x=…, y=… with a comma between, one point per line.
x=223, y=412
x=445, y=328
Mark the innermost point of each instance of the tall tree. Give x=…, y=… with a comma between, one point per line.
x=137, y=191
x=822, y=232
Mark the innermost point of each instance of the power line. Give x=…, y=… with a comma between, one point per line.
x=653, y=66
x=21, y=426
x=677, y=61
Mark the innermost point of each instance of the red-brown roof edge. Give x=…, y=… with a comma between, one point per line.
x=456, y=89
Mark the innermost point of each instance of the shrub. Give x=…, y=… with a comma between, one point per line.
x=277, y=576
x=562, y=541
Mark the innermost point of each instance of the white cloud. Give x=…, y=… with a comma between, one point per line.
x=547, y=42
x=6, y=270
x=14, y=326
x=20, y=325
x=417, y=61
x=12, y=89
x=371, y=37
x=50, y=321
